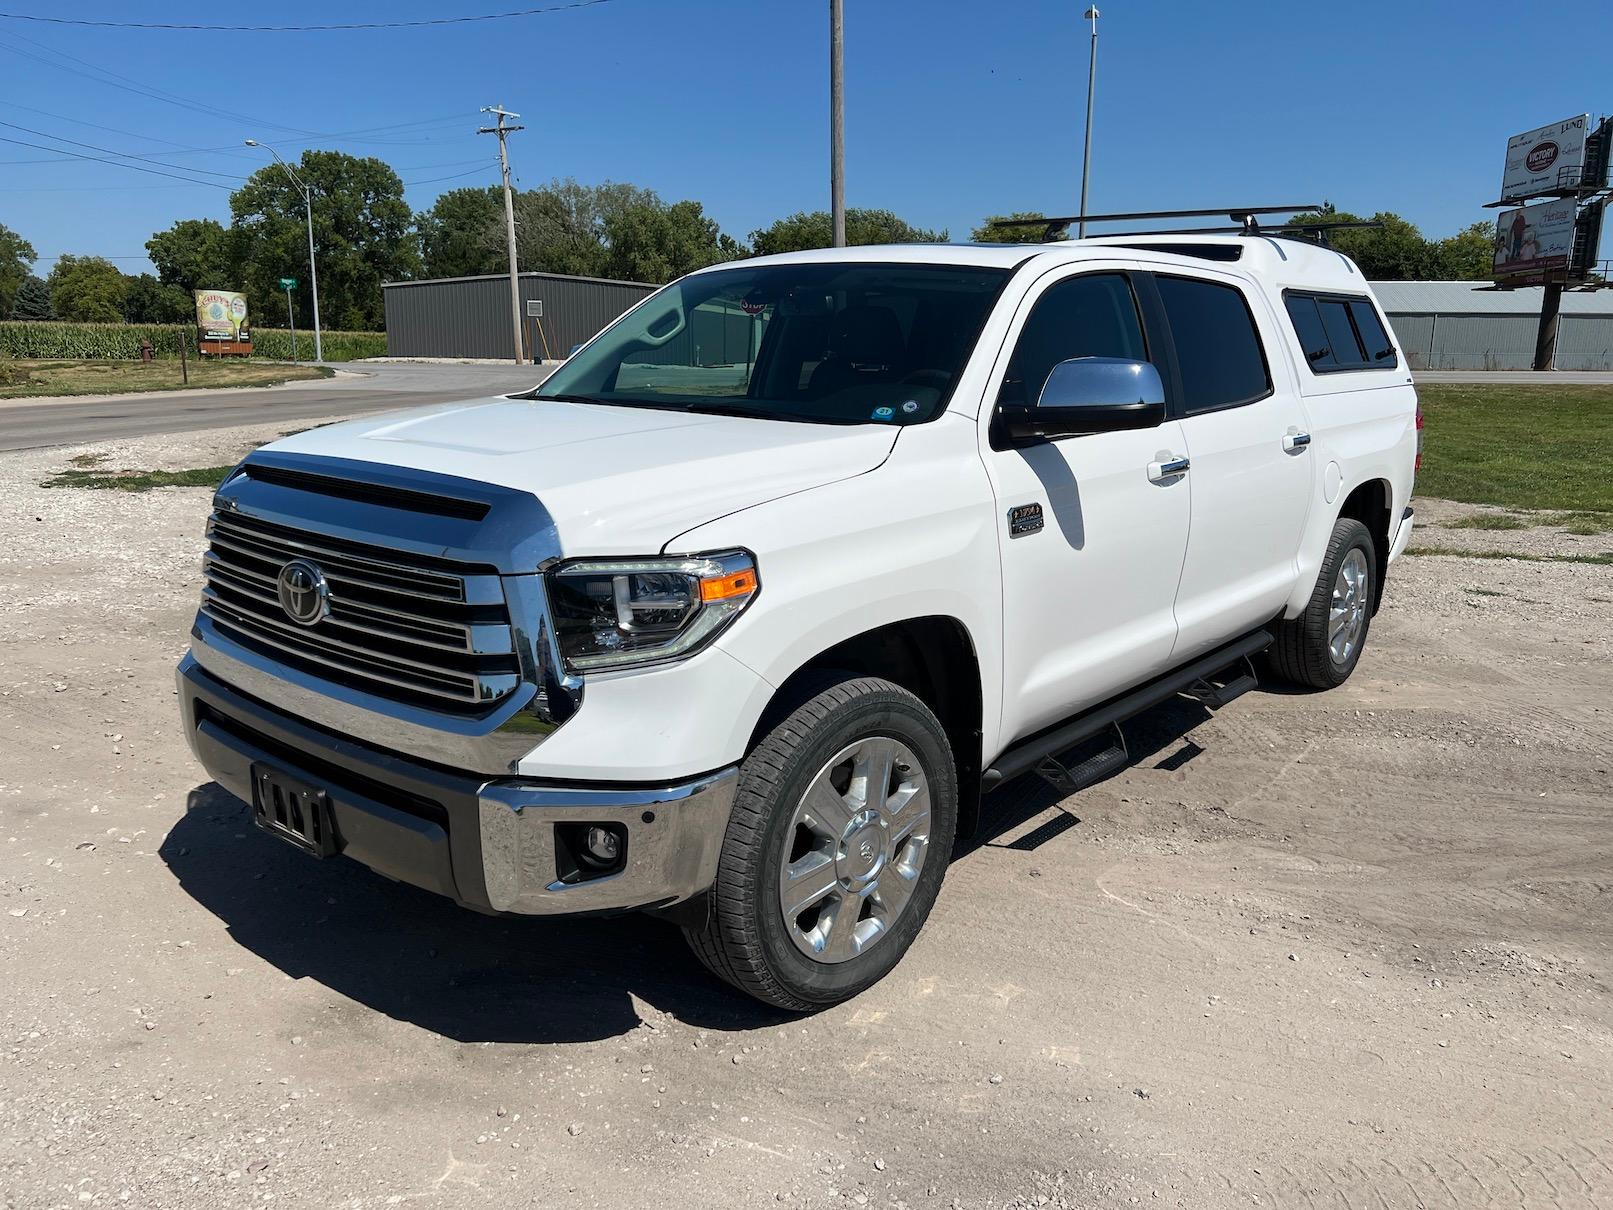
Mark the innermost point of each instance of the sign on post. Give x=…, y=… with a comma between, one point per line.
x=1545, y=160
x=1535, y=241
x=221, y=325
x=288, y=283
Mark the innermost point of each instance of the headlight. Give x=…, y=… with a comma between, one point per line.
x=613, y=613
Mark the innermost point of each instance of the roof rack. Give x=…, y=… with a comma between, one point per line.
x=1244, y=216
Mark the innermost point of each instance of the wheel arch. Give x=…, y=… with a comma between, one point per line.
x=1370, y=504
x=933, y=658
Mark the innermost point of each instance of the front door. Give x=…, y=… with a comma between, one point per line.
x=1091, y=546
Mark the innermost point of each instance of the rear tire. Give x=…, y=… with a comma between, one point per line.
x=840, y=835
x=1321, y=647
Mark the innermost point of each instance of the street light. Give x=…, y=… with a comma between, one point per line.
x=1086, y=159
x=313, y=269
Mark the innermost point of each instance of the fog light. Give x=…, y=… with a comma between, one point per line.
x=602, y=846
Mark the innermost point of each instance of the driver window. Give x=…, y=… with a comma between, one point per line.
x=1094, y=315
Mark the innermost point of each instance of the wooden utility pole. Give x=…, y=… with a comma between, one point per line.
x=837, y=120
x=503, y=131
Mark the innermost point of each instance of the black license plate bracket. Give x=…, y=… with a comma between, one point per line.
x=294, y=809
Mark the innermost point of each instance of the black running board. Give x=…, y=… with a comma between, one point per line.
x=1029, y=754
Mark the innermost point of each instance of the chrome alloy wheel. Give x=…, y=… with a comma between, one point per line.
x=855, y=848
x=1348, y=616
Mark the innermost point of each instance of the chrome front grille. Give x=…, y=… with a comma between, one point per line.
x=398, y=625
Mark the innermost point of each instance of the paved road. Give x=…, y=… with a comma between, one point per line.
x=377, y=388
x=1518, y=377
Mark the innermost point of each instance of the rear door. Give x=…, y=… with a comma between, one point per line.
x=1248, y=445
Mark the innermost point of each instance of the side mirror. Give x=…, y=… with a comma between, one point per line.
x=1090, y=395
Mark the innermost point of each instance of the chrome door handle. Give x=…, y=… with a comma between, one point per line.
x=1295, y=441
x=1158, y=472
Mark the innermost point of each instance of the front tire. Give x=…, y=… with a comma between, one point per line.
x=1321, y=647
x=840, y=835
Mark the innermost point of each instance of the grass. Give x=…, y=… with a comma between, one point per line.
x=1486, y=521
x=27, y=378
x=1538, y=447
x=1605, y=559
x=135, y=480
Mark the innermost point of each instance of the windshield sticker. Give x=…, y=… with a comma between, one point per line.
x=911, y=406
x=884, y=413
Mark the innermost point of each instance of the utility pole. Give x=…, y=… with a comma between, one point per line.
x=313, y=269
x=503, y=133
x=1086, y=158
x=837, y=119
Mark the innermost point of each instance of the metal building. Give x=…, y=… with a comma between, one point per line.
x=1460, y=325
x=470, y=316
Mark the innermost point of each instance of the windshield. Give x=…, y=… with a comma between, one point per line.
x=825, y=343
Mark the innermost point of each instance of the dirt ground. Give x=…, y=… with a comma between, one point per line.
x=1339, y=950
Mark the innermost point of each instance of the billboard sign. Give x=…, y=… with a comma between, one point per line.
x=221, y=315
x=1535, y=240
x=1544, y=160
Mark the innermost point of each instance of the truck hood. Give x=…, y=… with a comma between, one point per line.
x=616, y=480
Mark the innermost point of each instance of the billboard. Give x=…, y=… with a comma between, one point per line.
x=221, y=315
x=1535, y=239
x=1543, y=160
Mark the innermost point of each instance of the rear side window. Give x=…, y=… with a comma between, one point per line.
x=1340, y=332
x=1217, y=347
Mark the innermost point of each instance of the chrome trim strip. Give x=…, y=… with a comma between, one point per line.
x=669, y=859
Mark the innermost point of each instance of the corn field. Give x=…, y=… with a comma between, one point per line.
x=121, y=342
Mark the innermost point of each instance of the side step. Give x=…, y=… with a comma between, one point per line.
x=1030, y=754
x=1207, y=692
x=1068, y=779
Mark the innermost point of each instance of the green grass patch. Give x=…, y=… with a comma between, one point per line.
x=1535, y=447
x=1605, y=559
x=139, y=481
x=1484, y=592
x=25, y=379
x=1486, y=521
x=30, y=338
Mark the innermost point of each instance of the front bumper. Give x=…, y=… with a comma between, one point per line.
x=490, y=845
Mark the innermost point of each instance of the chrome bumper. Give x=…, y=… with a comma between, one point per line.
x=490, y=845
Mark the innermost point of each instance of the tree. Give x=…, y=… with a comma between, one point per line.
x=33, y=301
x=651, y=242
x=462, y=235
x=815, y=230
x=195, y=254
x=1469, y=255
x=17, y=258
x=149, y=301
x=363, y=235
x=560, y=228
x=988, y=234
x=87, y=289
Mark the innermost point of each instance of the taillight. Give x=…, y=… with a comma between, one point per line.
x=1418, y=465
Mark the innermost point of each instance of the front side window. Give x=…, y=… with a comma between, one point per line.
x=1094, y=315
x=816, y=342
x=1218, y=350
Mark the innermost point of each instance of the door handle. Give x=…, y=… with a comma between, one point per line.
x=1158, y=472
x=1295, y=441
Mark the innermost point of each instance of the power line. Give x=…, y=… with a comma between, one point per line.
x=304, y=29
x=114, y=162
x=457, y=176
x=122, y=155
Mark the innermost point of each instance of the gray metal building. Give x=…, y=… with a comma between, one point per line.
x=1459, y=325
x=470, y=316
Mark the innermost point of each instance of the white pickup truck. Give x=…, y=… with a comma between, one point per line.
x=737, y=615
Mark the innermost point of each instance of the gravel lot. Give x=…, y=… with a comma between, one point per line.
x=1345, y=950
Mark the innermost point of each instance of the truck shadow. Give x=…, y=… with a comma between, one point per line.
x=419, y=958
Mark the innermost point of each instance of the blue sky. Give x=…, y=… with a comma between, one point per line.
x=954, y=110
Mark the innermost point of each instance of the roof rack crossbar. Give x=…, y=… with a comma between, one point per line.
x=1236, y=213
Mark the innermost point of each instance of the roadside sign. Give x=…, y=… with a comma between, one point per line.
x=1546, y=160
x=1535, y=239
x=288, y=283
x=534, y=308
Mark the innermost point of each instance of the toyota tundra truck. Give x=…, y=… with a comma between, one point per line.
x=736, y=617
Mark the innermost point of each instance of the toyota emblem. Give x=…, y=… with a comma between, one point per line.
x=304, y=594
